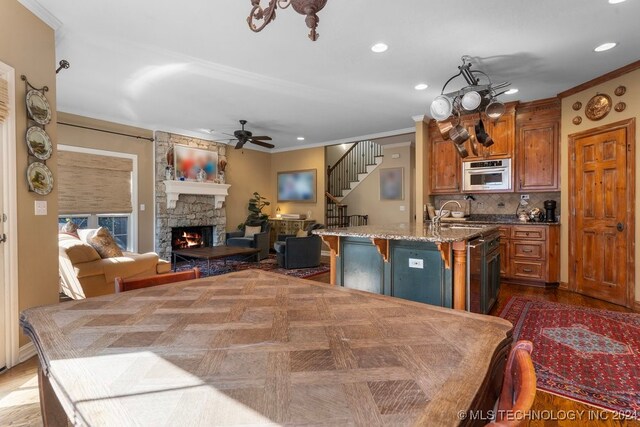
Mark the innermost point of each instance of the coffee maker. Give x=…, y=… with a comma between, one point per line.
x=550, y=210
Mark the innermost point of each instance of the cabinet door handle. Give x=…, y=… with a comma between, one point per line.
x=527, y=251
x=527, y=270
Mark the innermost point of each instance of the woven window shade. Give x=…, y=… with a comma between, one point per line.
x=93, y=184
x=4, y=100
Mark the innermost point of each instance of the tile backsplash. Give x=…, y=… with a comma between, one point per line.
x=500, y=203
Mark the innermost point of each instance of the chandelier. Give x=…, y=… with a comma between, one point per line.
x=260, y=17
x=479, y=95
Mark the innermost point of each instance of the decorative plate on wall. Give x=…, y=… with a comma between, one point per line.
x=620, y=90
x=39, y=178
x=598, y=107
x=620, y=107
x=38, y=107
x=577, y=120
x=39, y=143
x=576, y=105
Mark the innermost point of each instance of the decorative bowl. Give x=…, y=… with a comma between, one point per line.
x=457, y=214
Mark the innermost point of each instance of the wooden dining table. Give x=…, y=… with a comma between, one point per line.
x=259, y=348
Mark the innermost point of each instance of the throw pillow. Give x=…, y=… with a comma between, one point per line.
x=302, y=233
x=103, y=242
x=70, y=228
x=249, y=230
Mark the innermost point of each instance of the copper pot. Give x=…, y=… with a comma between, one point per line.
x=444, y=128
x=462, y=150
x=459, y=134
x=474, y=145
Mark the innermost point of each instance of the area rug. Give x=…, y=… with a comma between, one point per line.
x=218, y=267
x=589, y=355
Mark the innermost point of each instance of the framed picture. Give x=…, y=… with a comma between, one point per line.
x=190, y=161
x=391, y=184
x=297, y=186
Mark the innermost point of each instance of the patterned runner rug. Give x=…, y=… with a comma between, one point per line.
x=589, y=355
x=270, y=264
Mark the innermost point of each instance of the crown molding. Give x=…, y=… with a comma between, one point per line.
x=397, y=145
x=41, y=12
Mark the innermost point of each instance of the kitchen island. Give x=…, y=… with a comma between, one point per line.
x=438, y=266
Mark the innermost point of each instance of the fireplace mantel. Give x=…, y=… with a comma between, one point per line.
x=175, y=188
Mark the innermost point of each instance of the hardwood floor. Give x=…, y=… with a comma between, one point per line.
x=19, y=397
x=19, y=403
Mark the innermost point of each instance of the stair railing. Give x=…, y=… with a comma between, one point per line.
x=353, y=162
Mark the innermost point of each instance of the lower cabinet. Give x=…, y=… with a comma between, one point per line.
x=416, y=271
x=531, y=254
x=418, y=274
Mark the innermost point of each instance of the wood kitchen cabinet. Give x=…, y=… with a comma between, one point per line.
x=537, y=154
x=502, y=132
x=529, y=254
x=445, y=164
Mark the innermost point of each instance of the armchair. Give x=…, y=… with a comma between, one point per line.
x=299, y=252
x=258, y=240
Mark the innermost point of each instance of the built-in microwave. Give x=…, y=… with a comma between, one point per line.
x=486, y=175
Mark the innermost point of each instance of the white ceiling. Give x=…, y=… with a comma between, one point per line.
x=188, y=66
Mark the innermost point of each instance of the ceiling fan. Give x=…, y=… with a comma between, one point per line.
x=243, y=136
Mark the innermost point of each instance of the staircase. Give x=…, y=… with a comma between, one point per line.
x=342, y=178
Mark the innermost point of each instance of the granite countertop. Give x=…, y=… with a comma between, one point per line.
x=494, y=219
x=413, y=232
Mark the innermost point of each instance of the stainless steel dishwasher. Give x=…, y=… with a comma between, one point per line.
x=483, y=272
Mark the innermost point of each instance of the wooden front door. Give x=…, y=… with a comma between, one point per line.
x=602, y=191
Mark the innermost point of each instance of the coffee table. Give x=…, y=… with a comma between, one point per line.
x=212, y=252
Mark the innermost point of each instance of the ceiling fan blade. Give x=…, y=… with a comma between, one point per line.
x=262, y=144
x=263, y=138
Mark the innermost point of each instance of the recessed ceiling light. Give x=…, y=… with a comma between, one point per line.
x=511, y=91
x=605, y=46
x=615, y=1
x=421, y=86
x=379, y=47
x=301, y=138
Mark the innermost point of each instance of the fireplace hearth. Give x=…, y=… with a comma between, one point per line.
x=191, y=237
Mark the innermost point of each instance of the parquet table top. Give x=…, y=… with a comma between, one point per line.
x=258, y=348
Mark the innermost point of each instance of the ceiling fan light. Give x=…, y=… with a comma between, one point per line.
x=495, y=110
x=441, y=108
x=471, y=100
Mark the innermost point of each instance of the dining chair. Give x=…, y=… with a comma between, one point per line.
x=518, y=387
x=123, y=285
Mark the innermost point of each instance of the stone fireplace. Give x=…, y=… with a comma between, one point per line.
x=191, y=210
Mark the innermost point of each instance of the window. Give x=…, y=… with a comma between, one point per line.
x=119, y=225
x=84, y=173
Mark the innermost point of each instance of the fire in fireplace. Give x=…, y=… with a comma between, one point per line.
x=191, y=237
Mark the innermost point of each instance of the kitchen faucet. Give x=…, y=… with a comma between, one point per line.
x=436, y=220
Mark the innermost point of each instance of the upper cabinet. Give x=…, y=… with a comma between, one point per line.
x=445, y=165
x=528, y=133
x=502, y=133
x=537, y=146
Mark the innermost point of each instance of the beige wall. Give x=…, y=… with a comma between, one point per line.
x=311, y=158
x=365, y=198
x=247, y=171
x=632, y=99
x=29, y=47
x=86, y=138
